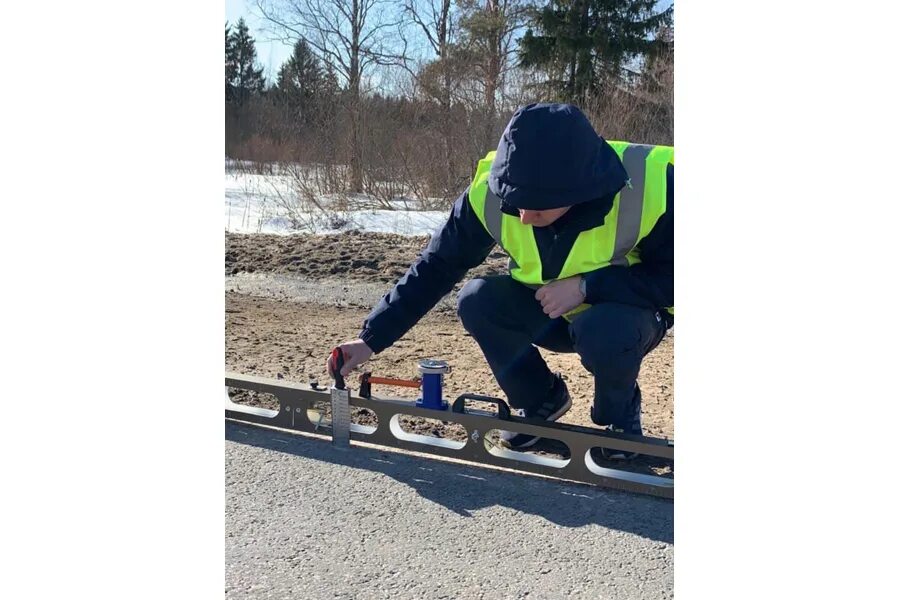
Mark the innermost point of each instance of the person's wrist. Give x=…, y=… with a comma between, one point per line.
x=582, y=287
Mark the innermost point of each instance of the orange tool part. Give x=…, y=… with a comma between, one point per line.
x=400, y=382
x=366, y=380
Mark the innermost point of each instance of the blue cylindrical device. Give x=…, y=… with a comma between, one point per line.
x=432, y=372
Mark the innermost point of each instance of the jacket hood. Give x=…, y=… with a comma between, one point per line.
x=550, y=156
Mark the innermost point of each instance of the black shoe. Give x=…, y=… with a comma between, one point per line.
x=558, y=405
x=613, y=454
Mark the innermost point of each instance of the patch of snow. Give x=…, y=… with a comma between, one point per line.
x=257, y=203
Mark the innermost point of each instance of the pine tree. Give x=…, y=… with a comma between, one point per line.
x=301, y=76
x=586, y=45
x=240, y=60
x=303, y=84
x=229, y=74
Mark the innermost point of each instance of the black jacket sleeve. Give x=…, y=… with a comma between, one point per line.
x=459, y=245
x=650, y=283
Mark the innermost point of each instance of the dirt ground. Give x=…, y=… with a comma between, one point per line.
x=276, y=337
x=364, y=256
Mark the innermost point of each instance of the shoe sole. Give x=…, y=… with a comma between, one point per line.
x=562, y=410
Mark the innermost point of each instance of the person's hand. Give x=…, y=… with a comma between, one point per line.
x=560, y=296
x=355, y=354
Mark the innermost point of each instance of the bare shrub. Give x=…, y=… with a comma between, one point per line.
x=640, y=113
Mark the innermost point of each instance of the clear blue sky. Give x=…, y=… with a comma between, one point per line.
x=269, y=54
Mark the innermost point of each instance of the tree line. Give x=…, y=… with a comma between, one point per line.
x=409, y=94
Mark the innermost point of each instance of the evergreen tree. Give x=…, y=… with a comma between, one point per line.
x=304, y=86
x=229, y=75
x=301, y=77
x=240, y=60
x=585, y=45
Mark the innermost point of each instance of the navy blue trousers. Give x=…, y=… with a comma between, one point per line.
x=611, y=339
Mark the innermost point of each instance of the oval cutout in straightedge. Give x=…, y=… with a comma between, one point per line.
x=431, y=432
x=548, y=452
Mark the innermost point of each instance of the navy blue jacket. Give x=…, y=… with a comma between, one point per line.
x=463, y=243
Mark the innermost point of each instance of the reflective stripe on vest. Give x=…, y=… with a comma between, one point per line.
x=635, y=211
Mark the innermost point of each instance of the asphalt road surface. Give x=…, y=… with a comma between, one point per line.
x=305, y=520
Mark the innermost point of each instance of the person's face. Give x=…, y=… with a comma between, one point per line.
x=541, y=218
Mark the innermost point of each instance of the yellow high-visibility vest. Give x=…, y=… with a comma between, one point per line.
x=635, y=211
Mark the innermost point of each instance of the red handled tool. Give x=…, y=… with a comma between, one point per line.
x=335, y=364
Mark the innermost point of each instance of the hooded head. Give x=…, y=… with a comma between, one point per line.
x=550, y=157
